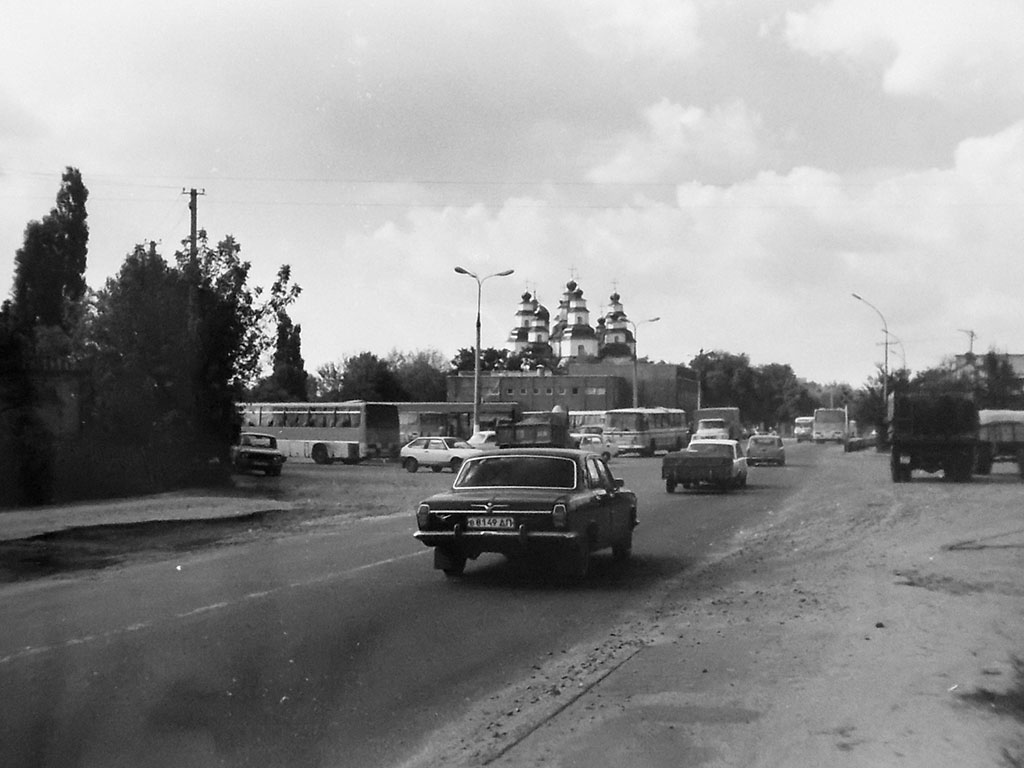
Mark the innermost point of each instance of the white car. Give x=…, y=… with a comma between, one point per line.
x=437, y=453
x=596, y=443
x=486, y=440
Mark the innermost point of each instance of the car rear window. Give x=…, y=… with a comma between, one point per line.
x=711, y=449
x=259, y=441
x=763, y=440
x=518, y=471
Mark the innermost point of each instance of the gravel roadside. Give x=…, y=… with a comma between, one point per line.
x=870, y=624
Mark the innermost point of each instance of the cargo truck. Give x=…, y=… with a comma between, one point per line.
x=717, y=424
x=933, y=432
x=1000, y=438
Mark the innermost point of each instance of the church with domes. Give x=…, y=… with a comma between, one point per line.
x=565, y=359
x=570, y=337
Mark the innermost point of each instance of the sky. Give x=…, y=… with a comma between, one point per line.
x=736, y=168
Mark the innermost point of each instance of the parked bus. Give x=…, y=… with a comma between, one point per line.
x=449, y=419
x=586, y=421
x=326, y=432
x=646, y=430
x=830, y=424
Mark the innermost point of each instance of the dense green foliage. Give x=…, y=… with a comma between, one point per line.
x=151, y=367
x=49, y=268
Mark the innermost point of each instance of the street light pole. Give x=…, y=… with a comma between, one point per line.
x=476, y=355
x=885, y=365
x=636, y=357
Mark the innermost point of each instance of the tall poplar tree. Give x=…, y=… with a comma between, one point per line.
x=49, y=273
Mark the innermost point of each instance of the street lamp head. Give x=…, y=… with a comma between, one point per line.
x=856, y=297
x=654, y=320
x=462, y=271
x=506, y=273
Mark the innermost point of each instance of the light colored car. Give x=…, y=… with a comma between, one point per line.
x=706, y=462
x=765, y=449
x=596, y=442
x=486, y=440
x=437, y=453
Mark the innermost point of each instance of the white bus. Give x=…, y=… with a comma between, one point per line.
x=646, y=430
x=830, y=424
x=327, y=432
x=586, y=421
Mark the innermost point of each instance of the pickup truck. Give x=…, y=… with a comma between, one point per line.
x=705, y=462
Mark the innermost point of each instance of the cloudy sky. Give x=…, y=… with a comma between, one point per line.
x=736, y=167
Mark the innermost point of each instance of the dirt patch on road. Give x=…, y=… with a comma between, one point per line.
x=71, y=551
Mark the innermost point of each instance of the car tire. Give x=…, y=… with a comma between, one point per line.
x=581, y=562
x=457, y=568
x=436, y=468
x=455, y=464
x=622, y=550
x=606, y=456
x=670, y=485
x=319, y=454
x=411, y=465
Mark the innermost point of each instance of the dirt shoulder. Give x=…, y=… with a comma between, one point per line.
x=870, y=624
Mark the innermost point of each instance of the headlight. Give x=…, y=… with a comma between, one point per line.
x=559, y=516
x=423, y=516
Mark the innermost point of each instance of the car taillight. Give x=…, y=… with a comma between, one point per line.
x=423, y=516
x=559, y=516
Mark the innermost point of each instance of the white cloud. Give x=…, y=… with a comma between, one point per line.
x=660, y=29
x=678, y=141
x=947, y=49
x=765, y=266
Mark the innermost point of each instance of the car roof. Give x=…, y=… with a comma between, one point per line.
x=717, y=441
x=565, y=453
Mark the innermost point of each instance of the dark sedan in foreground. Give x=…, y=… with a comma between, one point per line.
x=560, y=503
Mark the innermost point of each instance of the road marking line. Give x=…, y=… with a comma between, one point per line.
x=29, y=651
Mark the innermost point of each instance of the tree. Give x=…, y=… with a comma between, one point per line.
x=288, y=381
x=421, y=375
x=491, y=359
x=330, y=379
x=50, y=266
x=367, y=377
x=997, y=385
x=168, y=380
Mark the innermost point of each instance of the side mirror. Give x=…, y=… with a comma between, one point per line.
x=619, y=482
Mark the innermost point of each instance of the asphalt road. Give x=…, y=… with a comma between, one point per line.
x=328, y=644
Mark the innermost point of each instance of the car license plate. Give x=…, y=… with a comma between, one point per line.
x=499, y=523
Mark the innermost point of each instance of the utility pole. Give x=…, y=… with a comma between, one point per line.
x=193, y=208
x=971, y=336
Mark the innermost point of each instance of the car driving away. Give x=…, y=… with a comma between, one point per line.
x=719, y=463
x=765, y=449
x=437, y=453
x=596, y=443
x=257, y=452
x=558, y=503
